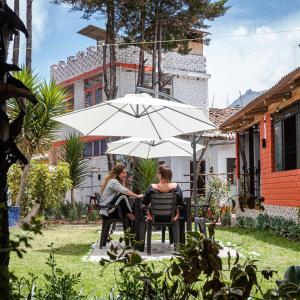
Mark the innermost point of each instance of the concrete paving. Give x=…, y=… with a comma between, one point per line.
x=159, y=251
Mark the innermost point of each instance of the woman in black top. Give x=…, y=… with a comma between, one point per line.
x=165, y=185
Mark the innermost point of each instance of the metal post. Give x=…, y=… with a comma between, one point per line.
x=195, y=177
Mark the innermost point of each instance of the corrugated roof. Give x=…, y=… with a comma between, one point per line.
x=281, y=86
x=220, y=115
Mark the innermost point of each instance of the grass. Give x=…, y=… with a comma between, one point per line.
x=72, y=242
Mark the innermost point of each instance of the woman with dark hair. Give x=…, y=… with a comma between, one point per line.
x=114, y=192
x=165, y=185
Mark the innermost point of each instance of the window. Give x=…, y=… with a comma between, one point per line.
x=95, y=148
x=230, y=162
x=98, y=96
x=93, y=82
x=70, y=104
x=88, y=100
x=286, y=127
x=103, y=147
x=88, y=150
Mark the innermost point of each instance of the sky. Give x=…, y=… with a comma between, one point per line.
x=252, y=46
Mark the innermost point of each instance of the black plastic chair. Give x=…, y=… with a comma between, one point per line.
x=107, y=222
x=163, y=209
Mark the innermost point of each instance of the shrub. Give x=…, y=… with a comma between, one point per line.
x=197, y=272
x=277, y=225
x=46, y=185
x=59, y=285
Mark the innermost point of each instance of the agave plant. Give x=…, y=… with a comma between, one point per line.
x=72, y=153
x=144, y=173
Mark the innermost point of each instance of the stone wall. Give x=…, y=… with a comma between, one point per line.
x=92, y=58
x=288, y=212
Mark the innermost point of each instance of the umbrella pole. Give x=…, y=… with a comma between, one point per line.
x=195, y=177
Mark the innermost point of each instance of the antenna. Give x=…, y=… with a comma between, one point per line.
x=227, y=101
x=212, y=104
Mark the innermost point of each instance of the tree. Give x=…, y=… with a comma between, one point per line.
x=39, y=128
x=16, y=47
x=72, y=153
x=29, y=39
x=158, y=21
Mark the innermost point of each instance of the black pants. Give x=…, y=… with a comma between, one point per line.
x=122, y=201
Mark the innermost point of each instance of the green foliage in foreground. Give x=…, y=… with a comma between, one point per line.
x=277, y=225
x=46, y=185
x=73, y=242
x=197, y=272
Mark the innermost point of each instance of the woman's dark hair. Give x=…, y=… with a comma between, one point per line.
x=165, y=173
x=113, y=174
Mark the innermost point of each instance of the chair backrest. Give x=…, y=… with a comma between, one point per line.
x=98, y=198
x=163, y=206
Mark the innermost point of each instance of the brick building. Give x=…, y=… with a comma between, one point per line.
x=82, y=76
x=268, y=148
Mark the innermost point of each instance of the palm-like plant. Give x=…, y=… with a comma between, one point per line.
x=39, y=129
x=72, y=153
x=144, y=173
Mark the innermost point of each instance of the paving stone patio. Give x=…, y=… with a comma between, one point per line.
x=159, y=251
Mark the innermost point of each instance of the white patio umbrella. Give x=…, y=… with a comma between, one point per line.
x=152, y=148
x=138, y=115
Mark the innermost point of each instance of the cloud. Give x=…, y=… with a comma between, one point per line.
x=254, y=57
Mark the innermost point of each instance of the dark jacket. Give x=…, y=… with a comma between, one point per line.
x=150, y=190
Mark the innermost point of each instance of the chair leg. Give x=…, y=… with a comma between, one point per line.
x=163, y=234
x=104, y=232
x=171, y=236
x=125, y=227
x=182, y=231
x=176, y=234
x=149, y=232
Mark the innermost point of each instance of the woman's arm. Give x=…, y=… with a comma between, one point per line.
x=117, y=186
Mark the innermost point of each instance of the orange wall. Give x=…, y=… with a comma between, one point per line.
x=278, y=188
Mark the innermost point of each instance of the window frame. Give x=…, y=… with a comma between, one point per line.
x=281, y=117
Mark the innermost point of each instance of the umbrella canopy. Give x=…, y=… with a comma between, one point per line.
x=152, y=148
x=138, y=115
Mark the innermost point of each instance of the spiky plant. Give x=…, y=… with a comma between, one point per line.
x=144, y=173
x=72, y=153
x=39, y=128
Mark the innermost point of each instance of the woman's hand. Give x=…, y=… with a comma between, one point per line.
x=140, y=196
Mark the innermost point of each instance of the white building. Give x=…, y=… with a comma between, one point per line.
x=82, y=76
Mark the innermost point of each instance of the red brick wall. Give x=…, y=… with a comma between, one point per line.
x=278, y=188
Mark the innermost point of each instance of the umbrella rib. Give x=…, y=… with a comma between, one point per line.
x=118, y=147
x=153, y=125
x=123, y=111
x=144, y=113
x=180, y=131
x=118, y=110
x=182, y=113
x=190, y=153
x=134, y=148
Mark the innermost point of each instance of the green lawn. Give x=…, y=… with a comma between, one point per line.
x=72, y=242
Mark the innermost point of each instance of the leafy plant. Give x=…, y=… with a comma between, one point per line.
x=197, y=272
x=39, y=127
x=46, y=185
x=144, y=173
x=59, y=284
x=72, y=153
x=277, y=225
